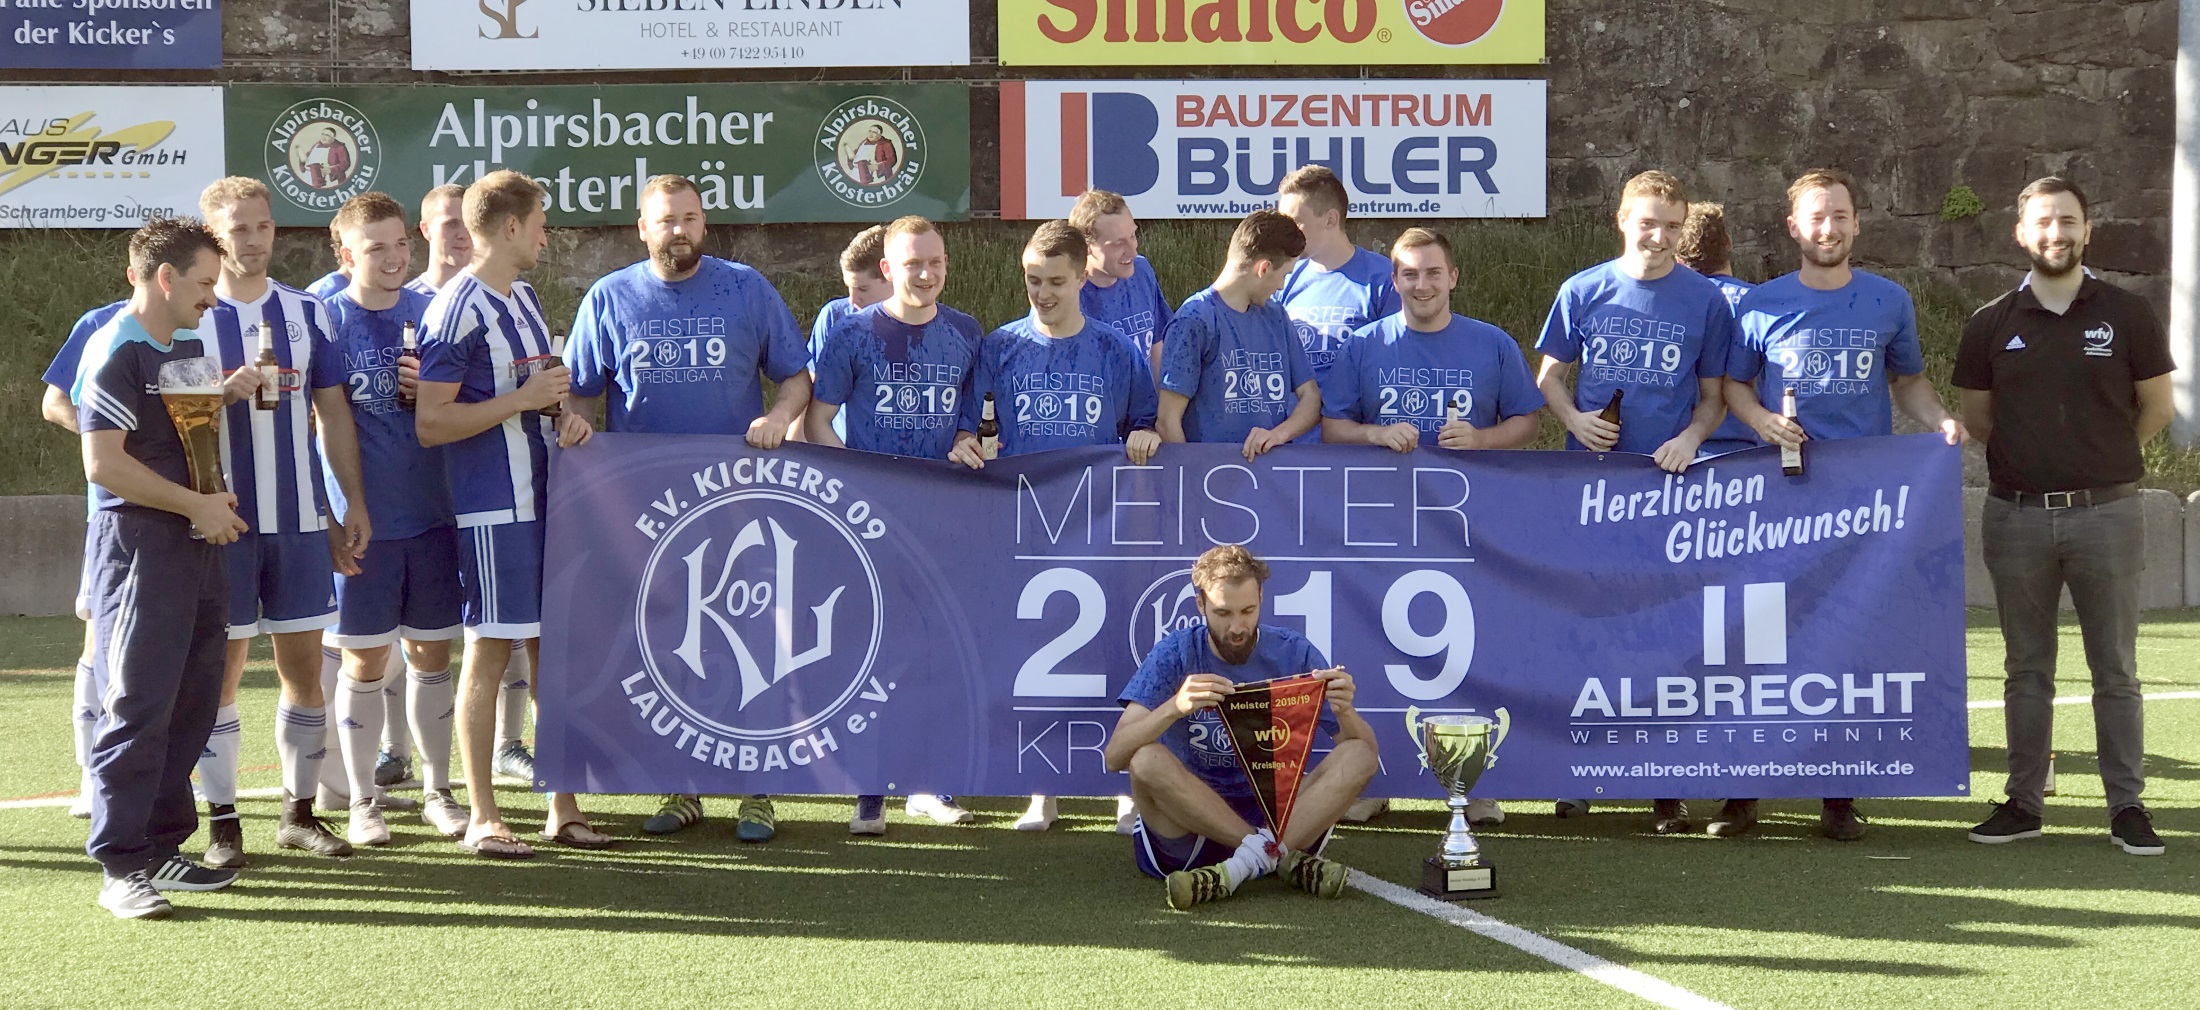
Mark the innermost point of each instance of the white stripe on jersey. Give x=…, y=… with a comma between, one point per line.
x=308, y=324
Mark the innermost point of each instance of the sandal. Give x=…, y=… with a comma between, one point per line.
x=498, y=847
x=579, y=835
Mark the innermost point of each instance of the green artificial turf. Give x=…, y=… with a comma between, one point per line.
x=1912, y=916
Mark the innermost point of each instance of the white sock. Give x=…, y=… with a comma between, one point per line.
x=396, y=731
x=86, y=714
x=301, y=741
x=512, y=699
x=332, y=776
x=432, y=701
x=359, y=730
x=1252, y=859
x=218, y=766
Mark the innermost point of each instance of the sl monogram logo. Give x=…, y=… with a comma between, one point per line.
x=507, y=22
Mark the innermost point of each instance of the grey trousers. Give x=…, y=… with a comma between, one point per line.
x=2098, y=552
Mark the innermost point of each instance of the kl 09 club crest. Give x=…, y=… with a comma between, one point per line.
x=751, y=632
x=1168, y=606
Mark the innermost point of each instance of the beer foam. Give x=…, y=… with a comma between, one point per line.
x=193, y=391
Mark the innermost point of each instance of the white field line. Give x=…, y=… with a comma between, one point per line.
x=268, y=793
x=1627, y=980
x=2086, y=699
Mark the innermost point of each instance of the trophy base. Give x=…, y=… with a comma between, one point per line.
x=1463, y=884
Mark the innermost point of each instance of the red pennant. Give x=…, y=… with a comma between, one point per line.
x=1271, y=726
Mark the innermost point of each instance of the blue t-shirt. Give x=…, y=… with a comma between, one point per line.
x=1328, y=306
x=901, y=387
x=1655, y=339
x=1198, y=739
x=827, y=318
x=407, y=491
x=1092, y=388
x=1731, y=434
x=1835, y=348
x=61, y=374
x=118, y=389
x=1390, y=372
x=683, y=358
x=483, y=341
x=421, y=285
x=1132, y=304
x=1239, y=369
x=329, y=286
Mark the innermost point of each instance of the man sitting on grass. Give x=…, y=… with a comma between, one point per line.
x=1195, y=806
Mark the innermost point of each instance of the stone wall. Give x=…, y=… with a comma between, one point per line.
x=1913, y=96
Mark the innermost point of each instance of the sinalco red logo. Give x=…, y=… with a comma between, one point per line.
x=1453, y=22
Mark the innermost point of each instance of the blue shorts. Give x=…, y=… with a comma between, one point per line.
x=405, y=589
x=500, y=567
x=280, y=583
x=1159, y=855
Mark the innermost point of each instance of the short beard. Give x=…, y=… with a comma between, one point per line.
x=673, y=263
x=2045, y=267
x=1815, y=254
x=1223, y=650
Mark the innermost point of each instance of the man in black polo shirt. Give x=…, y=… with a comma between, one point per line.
x=2064, y=379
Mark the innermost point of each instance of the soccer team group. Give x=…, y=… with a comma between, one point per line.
x=392, y=502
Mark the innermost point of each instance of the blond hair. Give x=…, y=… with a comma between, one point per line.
x=1223, y=565
x=232, y=190
x=499, y=195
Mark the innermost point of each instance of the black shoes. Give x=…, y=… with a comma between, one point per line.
x=299, y=829
x=224, y=837
x=2008, y=824
x=2133, y=828
x=1838, y=821
x=1735, y=817
x=1670, y=817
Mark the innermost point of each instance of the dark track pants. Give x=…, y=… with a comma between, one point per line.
x=160, y=610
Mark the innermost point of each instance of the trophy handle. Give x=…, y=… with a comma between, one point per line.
x=1504, y=726
x=1413, y=733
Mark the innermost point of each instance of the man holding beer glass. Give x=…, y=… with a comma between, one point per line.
x=158, y=588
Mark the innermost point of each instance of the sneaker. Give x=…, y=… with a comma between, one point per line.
x=1670, y=817
x=224, y=837
x=2133, y=828
x=1838, y=821
x=133, y=897
x=1365, y=809
x=390, y=769
x=180, y=874
x=941, y=809
x=443, y=813
x=327, y=798
x=1322, y=878
x=515, y=761
x=1041, y=815
x=299, y=829
x=385, y=802
x=2007, y=824
x=1126, y=815
x=676, y=812
x=1197, y=887
x=756, y=822
x=367, y=826
x=1735, y=817
x=1570, y=808
x=870, y=816
x=1483, y=813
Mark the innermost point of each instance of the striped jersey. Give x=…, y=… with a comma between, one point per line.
x=475, y=337
x=269, y=456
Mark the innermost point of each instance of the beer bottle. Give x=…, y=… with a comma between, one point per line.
x=411, y=350
x=1611, y=410
x=989, y=431
x=271, y=373
x=1791, y=460
x=557, y=357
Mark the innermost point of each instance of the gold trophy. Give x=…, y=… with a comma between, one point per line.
x=192, y=391
x=1457, y=749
